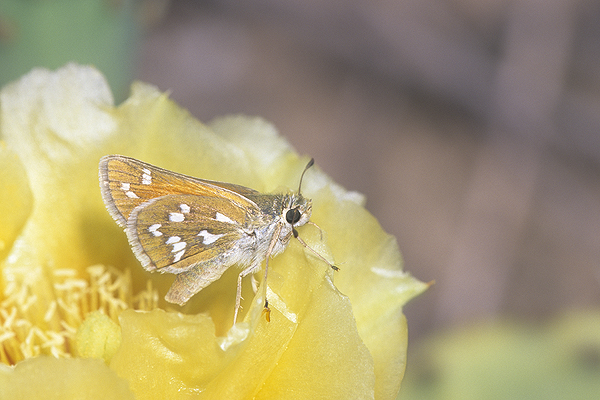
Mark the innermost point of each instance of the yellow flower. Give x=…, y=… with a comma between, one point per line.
x=78, y=315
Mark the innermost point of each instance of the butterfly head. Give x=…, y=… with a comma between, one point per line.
x=299, y=208
x=298, y=211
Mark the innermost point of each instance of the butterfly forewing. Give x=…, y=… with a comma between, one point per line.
x=128, y=183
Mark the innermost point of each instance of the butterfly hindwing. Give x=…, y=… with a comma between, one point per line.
x=175, y=232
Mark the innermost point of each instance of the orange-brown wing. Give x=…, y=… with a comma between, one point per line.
x=126, y=183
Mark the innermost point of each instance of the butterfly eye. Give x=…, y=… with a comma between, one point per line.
x=292, y=216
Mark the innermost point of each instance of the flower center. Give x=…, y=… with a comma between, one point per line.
x=29, y=327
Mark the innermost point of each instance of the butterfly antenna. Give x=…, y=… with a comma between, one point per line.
x=310, y=164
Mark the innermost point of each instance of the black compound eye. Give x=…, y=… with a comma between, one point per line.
x=292, y=216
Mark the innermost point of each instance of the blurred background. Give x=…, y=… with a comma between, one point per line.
x=472, y=126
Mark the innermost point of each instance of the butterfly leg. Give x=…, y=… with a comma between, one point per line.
x=238, y=296
x=252, y=269
x=274, y=240
x=303, y=243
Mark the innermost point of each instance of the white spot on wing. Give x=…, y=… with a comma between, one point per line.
x=178, y=246
x=125, y=187
x=184, y=208
x=176, y=217
x=223, y=218
x=208, y=238
x=146, y=177
x=178, y=256
x=154, y=229
x=173, y=239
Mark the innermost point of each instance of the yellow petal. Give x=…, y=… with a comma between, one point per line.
x=16, y=200
x=326, y=357
x=50, y=378
x=372, y=278
x=165, y=354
